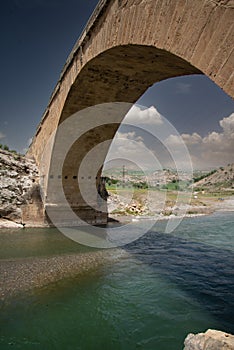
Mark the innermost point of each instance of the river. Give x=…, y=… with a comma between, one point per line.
x=149, y=295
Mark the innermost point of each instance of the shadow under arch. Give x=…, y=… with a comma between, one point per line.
x=123, y=74
x=120, y=74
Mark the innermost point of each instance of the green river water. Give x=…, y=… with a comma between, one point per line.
x=149, y=295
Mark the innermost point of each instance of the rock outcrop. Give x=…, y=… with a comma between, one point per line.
x=19, y=185
x=124, y=205
x=220, y=180
x=210, y=340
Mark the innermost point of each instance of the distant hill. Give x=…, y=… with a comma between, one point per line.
x=220, y=179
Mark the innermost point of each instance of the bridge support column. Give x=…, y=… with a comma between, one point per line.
x=62, y=216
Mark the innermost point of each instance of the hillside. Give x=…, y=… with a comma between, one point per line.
x=220, y=180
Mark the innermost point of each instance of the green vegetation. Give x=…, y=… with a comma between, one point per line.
x=6, y=148
x=142, y=185
x=203, y=176
x=176, y=186
x=15, y=154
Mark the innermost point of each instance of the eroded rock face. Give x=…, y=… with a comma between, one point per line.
x=210, y=340
x=19, y=179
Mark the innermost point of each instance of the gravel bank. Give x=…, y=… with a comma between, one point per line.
x=20, y=275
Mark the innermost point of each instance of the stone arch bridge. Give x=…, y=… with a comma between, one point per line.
x=127, y=46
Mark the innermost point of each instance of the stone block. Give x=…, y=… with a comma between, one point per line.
x=210, y=340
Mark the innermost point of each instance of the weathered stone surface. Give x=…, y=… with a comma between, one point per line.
x=126, y=47
x=20, y=190
x=210, y=340
x=11, y=212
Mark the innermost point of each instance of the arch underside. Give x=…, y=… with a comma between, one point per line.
x=121, y=74
x=126, y=47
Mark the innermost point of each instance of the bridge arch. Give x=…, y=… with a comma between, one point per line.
x=127, y=46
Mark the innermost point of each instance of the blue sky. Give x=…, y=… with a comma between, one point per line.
x=36, y=39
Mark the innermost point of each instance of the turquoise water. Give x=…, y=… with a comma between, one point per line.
x=149, y=296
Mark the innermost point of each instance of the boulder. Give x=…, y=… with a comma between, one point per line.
x=210, y=340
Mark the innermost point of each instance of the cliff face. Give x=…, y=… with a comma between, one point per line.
x=19, y=185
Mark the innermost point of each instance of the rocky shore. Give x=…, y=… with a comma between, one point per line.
x=124, y=210
x=19, y=186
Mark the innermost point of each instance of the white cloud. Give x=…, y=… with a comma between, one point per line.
x=173, y=141
x=228, y=124
x=125, y=145
x=191, y=139
x=214, y=149
x=137, y=116
x=130, y=148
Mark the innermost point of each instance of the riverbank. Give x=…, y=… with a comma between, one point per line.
x=6, y=223
x=209, y=206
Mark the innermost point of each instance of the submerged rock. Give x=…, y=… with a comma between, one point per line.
x=210, y=340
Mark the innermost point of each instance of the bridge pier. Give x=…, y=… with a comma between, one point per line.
x=62, y=216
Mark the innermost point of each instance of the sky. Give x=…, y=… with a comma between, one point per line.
x=153, y=143
x=36, y=39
